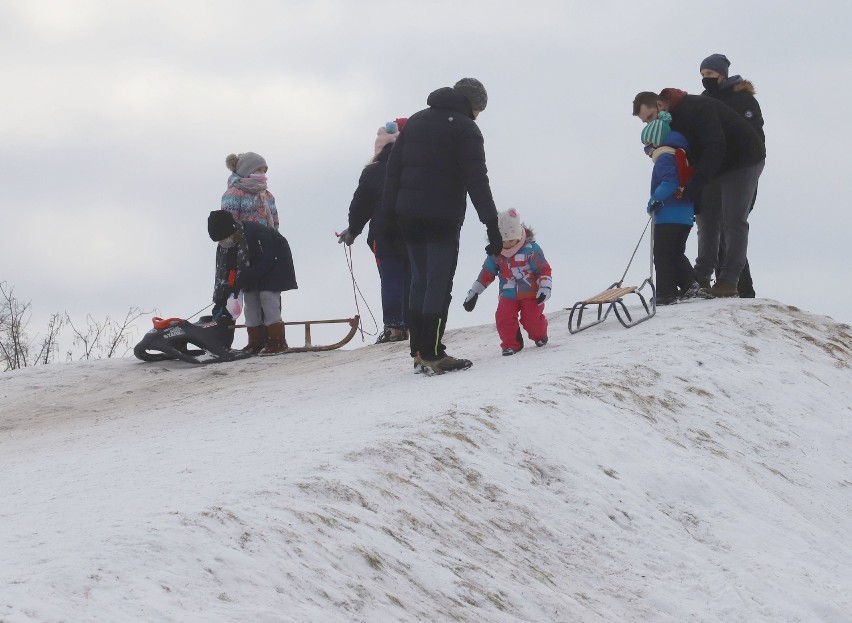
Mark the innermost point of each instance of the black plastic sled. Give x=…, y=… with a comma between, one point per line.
x=171, y=339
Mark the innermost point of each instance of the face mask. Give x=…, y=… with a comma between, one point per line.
x=711, y=84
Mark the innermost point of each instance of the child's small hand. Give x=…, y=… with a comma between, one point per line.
x=470, y=300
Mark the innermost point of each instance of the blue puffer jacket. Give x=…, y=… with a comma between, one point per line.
x=664, y=183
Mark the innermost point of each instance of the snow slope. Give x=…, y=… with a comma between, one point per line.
x=694, y=468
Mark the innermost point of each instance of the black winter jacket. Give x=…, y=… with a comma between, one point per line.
x=720, y=140
x=263, y=262
x=437, y=160
x=739, y=95
x=367, y=203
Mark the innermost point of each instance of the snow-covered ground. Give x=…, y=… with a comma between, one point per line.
x=694, y=468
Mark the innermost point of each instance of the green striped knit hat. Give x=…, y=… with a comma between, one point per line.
x=657, y=130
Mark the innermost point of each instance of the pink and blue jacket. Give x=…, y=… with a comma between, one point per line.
x=520, y=275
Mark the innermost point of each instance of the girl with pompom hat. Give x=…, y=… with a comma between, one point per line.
x=247, y=196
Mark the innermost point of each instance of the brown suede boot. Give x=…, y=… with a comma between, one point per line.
x=722, y=289
x=256, y=341
x=276, y=342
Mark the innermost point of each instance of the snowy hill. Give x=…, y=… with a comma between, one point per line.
x=694, y=468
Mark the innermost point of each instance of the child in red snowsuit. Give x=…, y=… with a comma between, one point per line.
x=525, y=284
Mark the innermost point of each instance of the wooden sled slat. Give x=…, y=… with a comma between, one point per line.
x=609, y=295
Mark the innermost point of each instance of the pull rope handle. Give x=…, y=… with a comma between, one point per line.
x=636, y=249
x=356, y=292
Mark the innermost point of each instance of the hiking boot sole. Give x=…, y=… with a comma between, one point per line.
x=433, y=369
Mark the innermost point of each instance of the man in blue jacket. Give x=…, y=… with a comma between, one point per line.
x=438, y=159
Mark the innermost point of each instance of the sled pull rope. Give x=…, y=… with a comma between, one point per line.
x=356, y=291
x=199, y=311
x=636, y=249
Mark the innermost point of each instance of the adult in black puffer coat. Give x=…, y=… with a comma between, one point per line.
x=391, y=256
x=739, y=94
x=438, y=159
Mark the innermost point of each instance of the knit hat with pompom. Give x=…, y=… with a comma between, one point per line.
x=655, y=132
x=386, y=135
x=509, y=224
x=245, y=164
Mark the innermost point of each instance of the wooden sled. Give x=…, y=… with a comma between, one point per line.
x=613, y=299
x=309, y=346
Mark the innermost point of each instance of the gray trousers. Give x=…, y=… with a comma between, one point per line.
x=262, y=308
x=725, y=206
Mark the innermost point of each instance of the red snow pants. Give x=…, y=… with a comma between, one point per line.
x=532, y=320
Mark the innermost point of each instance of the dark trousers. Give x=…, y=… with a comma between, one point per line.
x=724, y=208
x=433, y=251
x=674, y=272
x=395, y=276
x=745, y=286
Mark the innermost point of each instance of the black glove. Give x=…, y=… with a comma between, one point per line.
x=470, y=300
x=653, y=206
x=495, y=240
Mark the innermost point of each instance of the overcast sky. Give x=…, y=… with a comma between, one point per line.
x=117, y=117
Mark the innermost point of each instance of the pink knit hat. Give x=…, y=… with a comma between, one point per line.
x=386, y=134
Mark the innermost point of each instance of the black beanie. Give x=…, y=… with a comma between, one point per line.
x=718, y=63
x=220, y=225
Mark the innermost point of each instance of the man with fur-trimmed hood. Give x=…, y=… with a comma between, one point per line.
x=739, y=94
x=733, y=91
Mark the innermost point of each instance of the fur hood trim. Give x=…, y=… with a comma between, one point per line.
x=746, y=86
x=738, y=85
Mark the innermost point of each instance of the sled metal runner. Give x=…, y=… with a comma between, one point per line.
x=612, y=299
x=309, y=346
